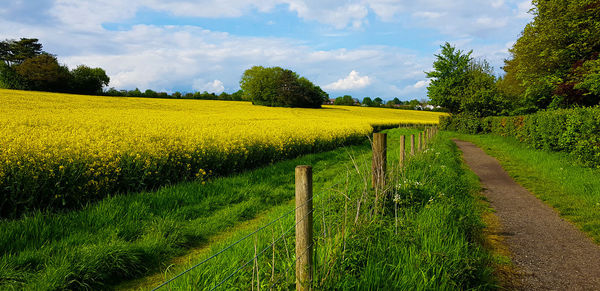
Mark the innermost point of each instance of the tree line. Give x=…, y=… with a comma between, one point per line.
x=348, y=100
x=25, y=66
x=236, y=96
x=553, y=64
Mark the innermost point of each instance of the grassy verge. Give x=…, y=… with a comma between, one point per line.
x=129, y=236
x=423, y=233
x=553, y=177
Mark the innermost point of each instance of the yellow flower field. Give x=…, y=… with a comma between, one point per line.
x=61, y=150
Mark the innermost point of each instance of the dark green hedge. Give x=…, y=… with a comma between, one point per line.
x=575, y=131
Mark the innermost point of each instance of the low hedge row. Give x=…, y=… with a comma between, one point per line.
x=575, y=131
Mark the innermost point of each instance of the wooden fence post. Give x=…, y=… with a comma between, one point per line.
x=379, y=164
x=402, y=150
x=304, y=228
x=420, y=142
x=412, y=144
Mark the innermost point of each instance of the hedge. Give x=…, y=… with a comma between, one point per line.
x=574, y=131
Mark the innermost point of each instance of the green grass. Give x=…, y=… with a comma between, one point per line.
x=132, y=235
x=428, y=238
x=553, y=177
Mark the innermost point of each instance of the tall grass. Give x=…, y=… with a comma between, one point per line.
x=128, y=236
x=424, y=234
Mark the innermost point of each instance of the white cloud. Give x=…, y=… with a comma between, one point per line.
x=428, y=14
x=352, y=82
x=422, y=84
x=175, y=57
x=215, y=86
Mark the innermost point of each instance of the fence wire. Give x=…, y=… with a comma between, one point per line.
x=246, y=237
x=263, y=250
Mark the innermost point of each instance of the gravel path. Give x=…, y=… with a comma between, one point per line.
x=549, y=252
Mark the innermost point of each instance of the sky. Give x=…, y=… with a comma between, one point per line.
x=375, y=48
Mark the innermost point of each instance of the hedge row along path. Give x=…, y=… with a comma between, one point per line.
x=548, y=252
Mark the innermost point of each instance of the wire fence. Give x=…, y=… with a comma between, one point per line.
x=329, y=223
x=252, y=234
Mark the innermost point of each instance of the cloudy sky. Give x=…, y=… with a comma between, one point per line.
x=376, y=48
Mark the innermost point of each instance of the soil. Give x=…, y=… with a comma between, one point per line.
x=548, y=252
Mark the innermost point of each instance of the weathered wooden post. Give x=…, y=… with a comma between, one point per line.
x=304, y=228
x=412, y=144
x=402, y=150
x=379, y=164
x=420, y=142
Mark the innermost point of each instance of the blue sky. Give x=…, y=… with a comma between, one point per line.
x=376, y=48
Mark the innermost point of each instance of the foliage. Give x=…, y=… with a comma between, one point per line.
x=367, y=102
x=462, y=84
x=574, y=131
x=480, y=94
x=449, y=78
x=344, y=100
x=554, y=60
x=148, y=93
x=44, y=73
x=62, y=151
x=280, y=87
x=9, y=78
x=25, y=66
x=15, y=52
x=89, y=81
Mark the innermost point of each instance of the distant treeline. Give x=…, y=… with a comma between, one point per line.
x=25, y=66
x=237, y=96
x=413, y=104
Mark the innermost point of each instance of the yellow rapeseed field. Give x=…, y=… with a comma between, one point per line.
x=61, y=149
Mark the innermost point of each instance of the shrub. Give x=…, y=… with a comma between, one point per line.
x=575, y=131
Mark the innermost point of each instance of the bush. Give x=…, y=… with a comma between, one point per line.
x=574, y=131
x=281, y=88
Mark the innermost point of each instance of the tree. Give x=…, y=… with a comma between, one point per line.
x=367, y=101
x=449, y=78
x=237, y=96
x=86, y=80
x=280, y=87
x=15, y=52
x=43, y=73
x=377, y=102
x=414, y=103
x=555, y=55
x=134, y=93
x=344, y=100
x=480, y=95
x=10, y=79
x=150, y=93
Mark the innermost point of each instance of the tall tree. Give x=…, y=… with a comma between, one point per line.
x=554, y=59
x=44, y=73
x=448, y=78
x=86, y=80
x=280, y=87
x=15, y=52
x=463, y=84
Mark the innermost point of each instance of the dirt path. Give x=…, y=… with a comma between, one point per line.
x=549, y=252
